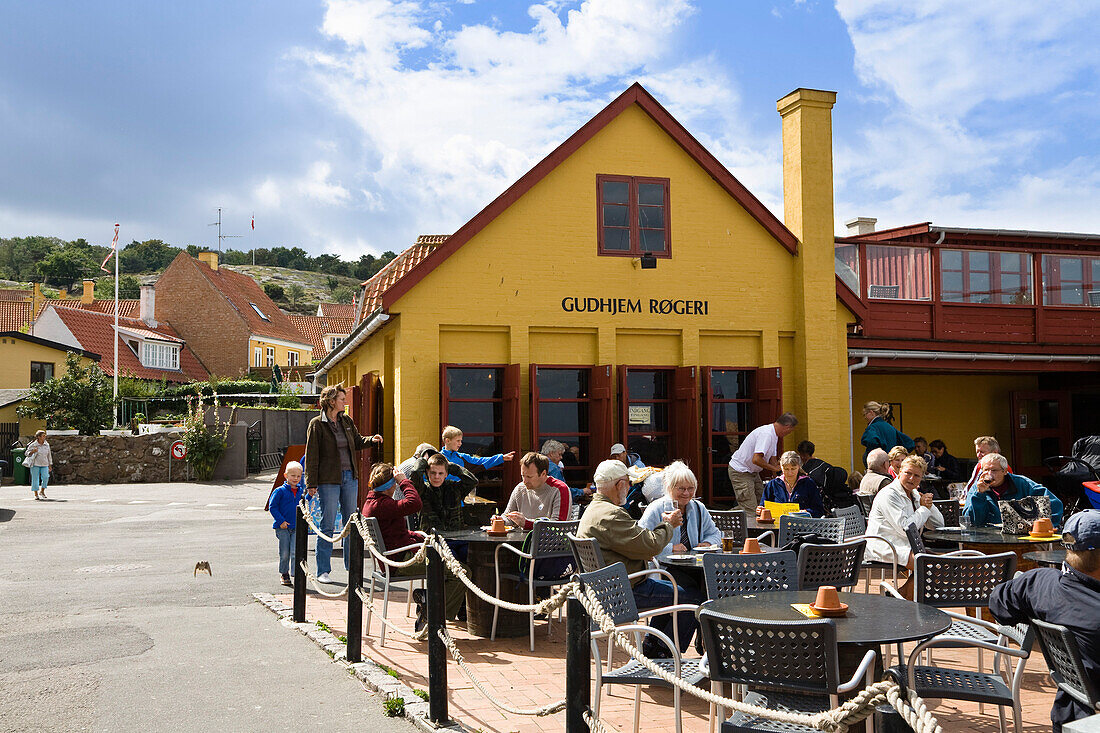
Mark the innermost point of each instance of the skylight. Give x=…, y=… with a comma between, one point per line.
x=259, y=312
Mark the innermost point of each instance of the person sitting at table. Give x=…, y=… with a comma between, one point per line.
x=698, y=528
x=442, y=486
x=1068, y=597
x=921, y=449
x=621, y=539
x=996, y=484
x=896, y=455
x=947, y=465
x=422, y=451
x=983, y=446
x=391, y=514
x=899, y=504
x=536, y=496
x=452, y=441
x=619, y=453
x=876, y=476
x=555, y=450
x=831, y=480
x=879, y=432
x=792, y=486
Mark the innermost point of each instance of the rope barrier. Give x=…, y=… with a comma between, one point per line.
x=414, y=635
x=368, y=539
x=595, y=724
x=317, y=530
x=316, y=585
x=538, y=712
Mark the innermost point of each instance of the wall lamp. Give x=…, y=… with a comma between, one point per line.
x=648, y=261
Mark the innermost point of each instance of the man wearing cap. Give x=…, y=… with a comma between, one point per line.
x=756, y=453
x=1069, y=597
x=618, y=452
x=995, y=484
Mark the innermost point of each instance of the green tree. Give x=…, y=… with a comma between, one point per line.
x=343, y=294
x=274, y=291
x=152, y=255
x=80, y=399
x=295, y=293
x=19, y=256
x=65, y=266
x=128, y=287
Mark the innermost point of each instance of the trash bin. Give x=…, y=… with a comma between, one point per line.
x=20, y=475
x=253, y=446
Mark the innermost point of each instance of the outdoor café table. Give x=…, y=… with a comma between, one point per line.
x=871, y=621
x=990, y=541
x=690, y=564
x=1047, y=558
x=479, y=559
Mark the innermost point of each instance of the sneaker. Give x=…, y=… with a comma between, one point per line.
x=286, y=579
x=420, y=599
x=323, y=578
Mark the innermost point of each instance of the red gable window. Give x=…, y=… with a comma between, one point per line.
x=633, y=216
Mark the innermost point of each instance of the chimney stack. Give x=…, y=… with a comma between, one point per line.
x=63, y=293
x=147, y=306
x=88, y=296
x=210, y=258
x=861, y=225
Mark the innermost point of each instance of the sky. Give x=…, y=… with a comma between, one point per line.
x=352, y=126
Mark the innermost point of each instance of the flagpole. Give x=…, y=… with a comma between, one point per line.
x=116, y=328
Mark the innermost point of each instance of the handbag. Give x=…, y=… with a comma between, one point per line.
x=1018, y=515
x=28, y=461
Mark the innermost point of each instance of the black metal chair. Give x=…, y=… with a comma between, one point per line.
x=790, y=527
x=738, y=575
x=854, y=523
x=946, y=683
x=950, y=510
x=547, y=541
x=1063, y=657
x=611, y=585
x=731, y=521
x=855, y=528
x=380, y=572
x=835, y=565
x=790, y=666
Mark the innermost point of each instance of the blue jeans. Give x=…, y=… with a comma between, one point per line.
x=657, y=592
x=286, y=550
x=40, y=477
x=344, y=496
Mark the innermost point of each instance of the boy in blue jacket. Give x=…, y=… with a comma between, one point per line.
x=452, y=441
x=282, y=505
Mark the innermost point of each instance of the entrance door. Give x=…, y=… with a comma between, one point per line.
x=1042, y=426
x=646, y=413
x=367, y=415
x=728, y=411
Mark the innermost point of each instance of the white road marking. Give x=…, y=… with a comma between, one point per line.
x=177, y=503
x=210, y=505
x=99, y=501
x=253, y=508
x=139, y=501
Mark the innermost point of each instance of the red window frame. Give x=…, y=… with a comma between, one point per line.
x=633, y=224
x=538, y=437
x=446, y=400
x=1052, y=288
x=996, y=272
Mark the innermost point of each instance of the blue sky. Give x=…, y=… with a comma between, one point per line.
x=352, y=126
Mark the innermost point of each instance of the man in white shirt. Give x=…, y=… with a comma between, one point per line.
x=756, y=453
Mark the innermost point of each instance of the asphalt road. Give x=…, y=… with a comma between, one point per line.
x=104, y=627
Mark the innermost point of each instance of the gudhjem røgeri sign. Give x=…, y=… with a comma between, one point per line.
x=654, y=306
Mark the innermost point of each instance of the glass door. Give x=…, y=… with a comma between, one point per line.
x=728, y=395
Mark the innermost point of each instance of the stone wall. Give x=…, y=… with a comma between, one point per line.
x=108, y=459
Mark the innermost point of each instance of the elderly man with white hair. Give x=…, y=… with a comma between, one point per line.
x=621, y=539
x=877, y=474
x=995, y=484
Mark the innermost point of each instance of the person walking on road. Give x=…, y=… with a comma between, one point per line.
x=41, y=461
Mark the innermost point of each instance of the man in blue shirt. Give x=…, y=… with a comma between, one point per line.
x=1069, y=597
x=554, y=450
x=996, y=484
x=452, y=441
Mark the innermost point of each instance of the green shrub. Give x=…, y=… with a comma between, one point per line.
x=240, y=386
x=205, y=444
x=394, y=707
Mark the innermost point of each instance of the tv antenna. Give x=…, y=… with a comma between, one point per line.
x=221, y=236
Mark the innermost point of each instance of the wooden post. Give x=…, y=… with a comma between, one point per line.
x=437, y=650
x=301, y=544
x=578, y=662
x=354, y=542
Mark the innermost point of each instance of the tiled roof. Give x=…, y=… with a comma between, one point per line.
x=396, y=269
x=127, y=307
x=94, y=331
x=314, y=328
x=15, y=315
x=11, y=396
x=241, y=290
x=16, y=294
x=336, y=310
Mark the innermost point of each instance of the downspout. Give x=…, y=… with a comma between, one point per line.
x=851, y=405
x=357, y=337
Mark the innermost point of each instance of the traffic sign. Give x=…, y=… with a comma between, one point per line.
x=179, y=450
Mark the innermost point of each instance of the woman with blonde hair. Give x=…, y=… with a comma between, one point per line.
x=896, y=455
x=879, y=432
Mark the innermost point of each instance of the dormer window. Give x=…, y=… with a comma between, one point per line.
x=335, y=341
x=160, y=356
x=259, y=312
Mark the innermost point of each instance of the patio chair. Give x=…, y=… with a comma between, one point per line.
x=792, y=526
x=380, y=572
x=855, y=528
x=917, y=545
x=738, y=575
x=731, y=521
x=854, y=523
x=611, y=586
x=837, y=565
x=950, y=510
x=789, y=666
x=1064, y=660
x=546, y=542
x=946, y=683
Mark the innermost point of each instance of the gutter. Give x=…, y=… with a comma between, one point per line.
x=1014, y=233
x=969, y=356
x=358, y=336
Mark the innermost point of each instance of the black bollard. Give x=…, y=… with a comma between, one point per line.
x=888, y=720
x=437, y=650
x=355, y=603
x=578, y=662
x=301, y=544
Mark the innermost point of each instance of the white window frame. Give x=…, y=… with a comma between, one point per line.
x=335, y=341
x=258, y=356
x=270, y=356
x=160, y=356
x=292, y=358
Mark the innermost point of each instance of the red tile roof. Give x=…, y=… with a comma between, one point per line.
x=395, y=269
x=94, y=331
x=127, y=308
x=15, y=294
x=241, y=291
x=336, y=310
x=315, y=328
x=15, y=315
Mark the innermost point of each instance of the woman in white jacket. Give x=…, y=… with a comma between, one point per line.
x=41, y=460
x=896, y=506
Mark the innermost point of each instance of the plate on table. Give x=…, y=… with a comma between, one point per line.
x=953, y=528
x=708, y=548
x=681, y=557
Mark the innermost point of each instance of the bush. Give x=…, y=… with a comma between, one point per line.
x=205, y=444
x=274, y=291
x=240, y=386
x=80, y=399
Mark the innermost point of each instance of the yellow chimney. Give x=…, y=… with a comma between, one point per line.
x=36, y=298
x=63, y=293
x=88, y=296
x=210, y=258
x=808, y=213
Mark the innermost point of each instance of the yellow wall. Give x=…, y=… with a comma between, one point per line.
x=282, y=358
x=955, y=409
x=498, y=299
x=16, y=356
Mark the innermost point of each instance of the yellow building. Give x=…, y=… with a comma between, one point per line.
x=626, y=289
x=24, y=361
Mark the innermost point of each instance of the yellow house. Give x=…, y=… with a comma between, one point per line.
x=26, y=360
x=626, y=289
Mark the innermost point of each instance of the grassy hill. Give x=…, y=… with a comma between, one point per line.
x=316, y=286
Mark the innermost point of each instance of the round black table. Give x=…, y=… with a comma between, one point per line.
x=990, y=541
x=1047, y=558
x=479, y=559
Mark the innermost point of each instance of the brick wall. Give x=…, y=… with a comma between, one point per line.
x=203, y=318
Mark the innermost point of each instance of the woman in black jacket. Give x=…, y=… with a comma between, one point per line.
x=947, y=465
x=332, y=441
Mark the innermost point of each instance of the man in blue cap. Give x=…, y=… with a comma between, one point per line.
x=1069, y=597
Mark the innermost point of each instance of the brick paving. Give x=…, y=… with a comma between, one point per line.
x=533, y=679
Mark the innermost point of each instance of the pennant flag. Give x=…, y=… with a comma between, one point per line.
x=114, y=249
x=253, y=222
